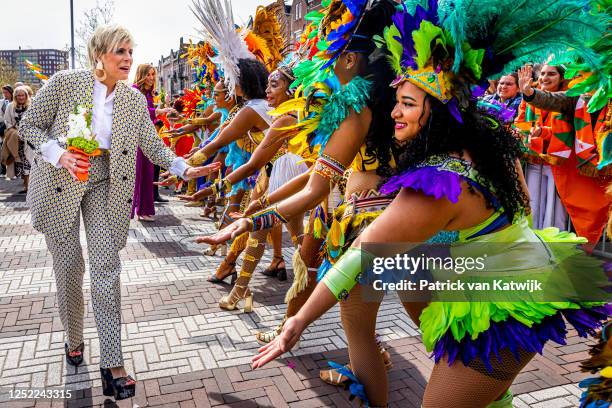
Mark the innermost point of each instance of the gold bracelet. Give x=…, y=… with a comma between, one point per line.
x=227, y=186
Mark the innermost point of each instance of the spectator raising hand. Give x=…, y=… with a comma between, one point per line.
x=525, y=76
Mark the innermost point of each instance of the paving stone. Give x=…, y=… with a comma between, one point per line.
x=184, y=351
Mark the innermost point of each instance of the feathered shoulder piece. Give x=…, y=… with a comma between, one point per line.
x=323, y=110
x=267, y=26
x=449, y=48
x=219, y=30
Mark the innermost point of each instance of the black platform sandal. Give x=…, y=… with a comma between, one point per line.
x=75, y=357
x=120, y=388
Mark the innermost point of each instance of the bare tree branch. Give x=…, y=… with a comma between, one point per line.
x=99, y=15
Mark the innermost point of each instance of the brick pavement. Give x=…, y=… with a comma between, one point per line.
x=186, y=352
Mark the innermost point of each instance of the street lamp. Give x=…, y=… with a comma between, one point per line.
x=72, y=34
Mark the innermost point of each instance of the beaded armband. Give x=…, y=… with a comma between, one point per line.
x=266, y=219
x=329, y=168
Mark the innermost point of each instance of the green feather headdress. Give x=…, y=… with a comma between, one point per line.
x=450, y=47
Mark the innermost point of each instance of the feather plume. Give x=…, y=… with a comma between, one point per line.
x=469, y=40
x=219, y=29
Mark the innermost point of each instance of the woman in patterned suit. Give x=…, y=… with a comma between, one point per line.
x=120, y=123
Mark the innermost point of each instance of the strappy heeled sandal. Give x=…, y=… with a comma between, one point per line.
x=230, y=302
x=275, y=271
x=333, y=377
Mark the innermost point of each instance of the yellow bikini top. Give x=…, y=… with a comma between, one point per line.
x=364, y=162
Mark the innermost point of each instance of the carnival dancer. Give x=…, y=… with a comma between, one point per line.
x=353, y=128
x=144, y=194
x=213, y=118
x=279, y=164
x=459, y=173
x=246, y=77
x=120, y=122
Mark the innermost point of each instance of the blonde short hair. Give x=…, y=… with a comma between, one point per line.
x=22, y=89
x=106, y=39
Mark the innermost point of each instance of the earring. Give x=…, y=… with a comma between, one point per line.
x=99, y=72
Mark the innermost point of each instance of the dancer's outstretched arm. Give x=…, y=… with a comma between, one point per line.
x=285, y=191
x=196, y=124
x=411, y=217
x=342, y=147
x=244, y=121
x=266, y=150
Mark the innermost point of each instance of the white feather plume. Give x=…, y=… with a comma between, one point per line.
x=218, y=28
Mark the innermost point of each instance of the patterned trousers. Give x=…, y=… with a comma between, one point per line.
x=105, y=270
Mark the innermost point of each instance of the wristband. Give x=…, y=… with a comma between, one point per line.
x=266, y=219
x=329, y=168
x=344, y=275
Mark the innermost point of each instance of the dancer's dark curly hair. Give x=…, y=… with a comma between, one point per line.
x=253, y=78
x=379, y=138
x=493, y=149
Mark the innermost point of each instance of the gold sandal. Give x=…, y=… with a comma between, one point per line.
x=230, y=302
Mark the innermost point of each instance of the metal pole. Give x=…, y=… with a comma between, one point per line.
x=72, y=34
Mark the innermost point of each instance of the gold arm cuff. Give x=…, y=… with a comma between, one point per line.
x=197, y=159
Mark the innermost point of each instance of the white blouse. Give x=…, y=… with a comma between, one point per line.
x=101, y=125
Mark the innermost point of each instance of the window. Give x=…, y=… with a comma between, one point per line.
x=298, y=11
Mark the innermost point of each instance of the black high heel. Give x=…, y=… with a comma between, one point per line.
x=281, y=274
x=120, y=388
x=233, y=273
x=74, y=357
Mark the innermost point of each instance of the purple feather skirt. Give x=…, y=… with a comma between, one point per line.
x=515, y=336
x=143, y=203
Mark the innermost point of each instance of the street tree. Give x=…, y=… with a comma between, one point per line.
x=99, y=15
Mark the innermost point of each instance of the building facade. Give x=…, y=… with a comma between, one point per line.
x=299, y=9
x=50, y=60
x=174, y=72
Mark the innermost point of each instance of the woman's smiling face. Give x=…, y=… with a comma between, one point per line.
x=411, y=111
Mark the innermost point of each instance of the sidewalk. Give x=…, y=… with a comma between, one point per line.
x=184, y=350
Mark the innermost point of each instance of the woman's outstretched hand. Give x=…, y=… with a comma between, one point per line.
x=169, y=180
x=284, y=342
x=201, y=171
x=231, y=231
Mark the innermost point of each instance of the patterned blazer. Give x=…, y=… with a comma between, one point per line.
x=54, y=197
